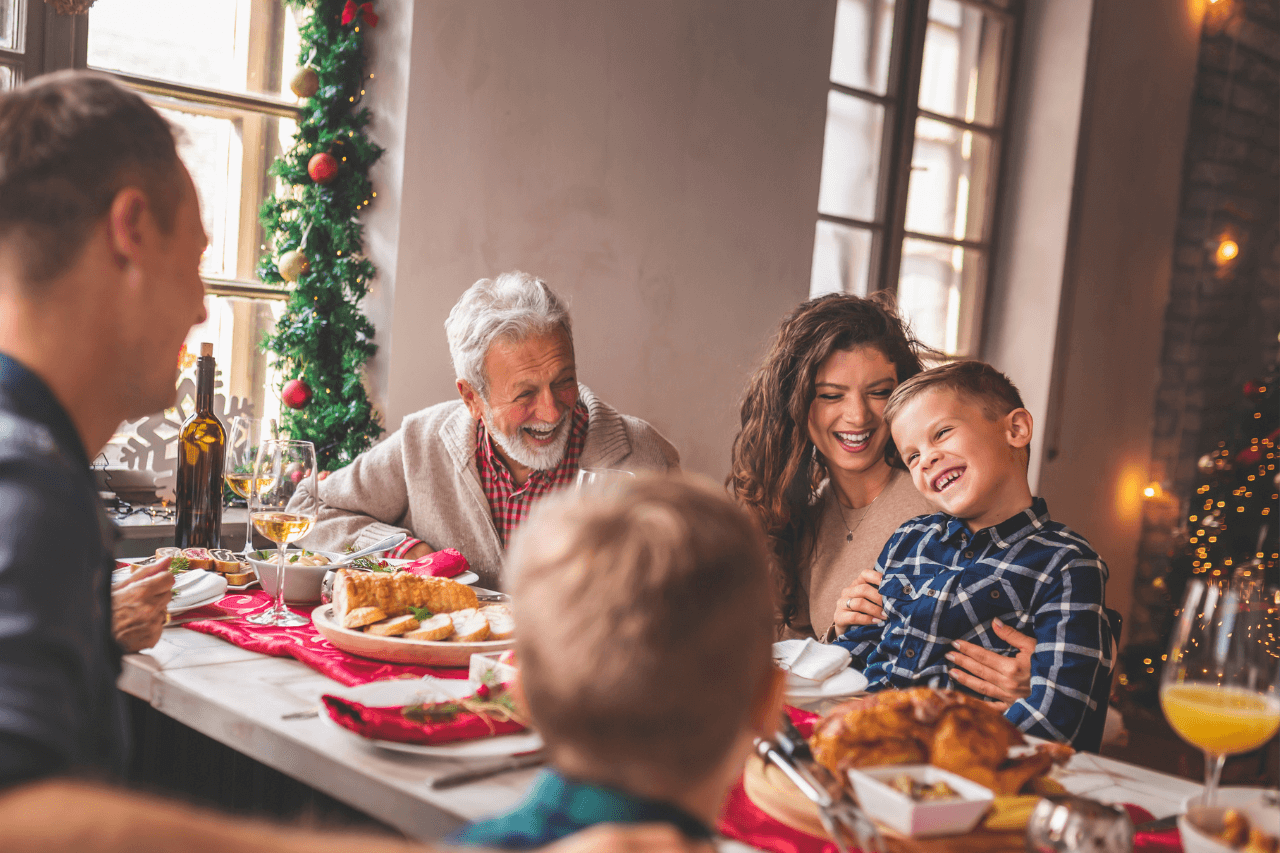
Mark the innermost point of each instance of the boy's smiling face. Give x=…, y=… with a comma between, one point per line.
x=966, y=464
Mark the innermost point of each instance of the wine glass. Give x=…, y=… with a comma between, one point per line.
x=601, y=477
x=283, y=511
x=243, y=438
x=1219, y=686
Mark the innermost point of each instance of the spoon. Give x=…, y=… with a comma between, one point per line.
x=385, y=545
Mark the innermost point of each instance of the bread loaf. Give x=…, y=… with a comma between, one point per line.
x=394, y=593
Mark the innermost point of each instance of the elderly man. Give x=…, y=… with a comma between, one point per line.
x=463, y=474
x=100, y=245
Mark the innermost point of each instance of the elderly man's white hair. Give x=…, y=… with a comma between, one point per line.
x=511, y=307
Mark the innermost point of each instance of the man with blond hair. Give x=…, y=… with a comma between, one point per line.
x=644, y=645
x=463, y=474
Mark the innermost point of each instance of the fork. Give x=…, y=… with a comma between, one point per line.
x=848, y=825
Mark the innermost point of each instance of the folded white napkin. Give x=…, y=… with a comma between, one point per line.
x=810, y=660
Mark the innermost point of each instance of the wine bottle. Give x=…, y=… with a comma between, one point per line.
x=201, y=451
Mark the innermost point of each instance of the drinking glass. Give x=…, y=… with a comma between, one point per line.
x=595, y=477
x=243, y=439
x=283, y=511
x=1219, y=686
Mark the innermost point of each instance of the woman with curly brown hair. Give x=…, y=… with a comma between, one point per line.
x=815, y=462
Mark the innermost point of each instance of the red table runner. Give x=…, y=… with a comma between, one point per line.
x=303, y=643
x=742, y=820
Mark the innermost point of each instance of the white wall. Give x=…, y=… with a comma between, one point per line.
x=657, y=162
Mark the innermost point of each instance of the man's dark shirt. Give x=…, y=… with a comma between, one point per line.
x=60, y=711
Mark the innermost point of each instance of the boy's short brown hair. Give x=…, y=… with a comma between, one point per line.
x=644, y=625
x=977, y=380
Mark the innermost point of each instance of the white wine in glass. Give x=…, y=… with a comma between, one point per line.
x=283, y=508
x=243, y=439
x=1219, y=686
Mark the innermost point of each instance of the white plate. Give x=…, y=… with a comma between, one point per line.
x=204, y=591
x=847, y=682
x=380, y=694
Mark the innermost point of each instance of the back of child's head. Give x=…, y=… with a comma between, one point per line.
x=644, y=625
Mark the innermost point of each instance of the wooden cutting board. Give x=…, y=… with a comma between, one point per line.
x=777, y=797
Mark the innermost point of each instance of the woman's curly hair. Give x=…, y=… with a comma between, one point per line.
x=776, y=470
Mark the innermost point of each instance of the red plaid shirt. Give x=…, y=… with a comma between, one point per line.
x=507, y=503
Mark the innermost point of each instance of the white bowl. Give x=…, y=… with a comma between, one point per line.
x=301, y=583
x=1257, y=804
x=920, y=819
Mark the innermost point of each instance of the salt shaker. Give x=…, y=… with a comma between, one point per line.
x=1068, y=824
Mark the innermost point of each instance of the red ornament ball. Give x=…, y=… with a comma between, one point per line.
x=1251, y=389
x=295, y=394
x=296, y=476
x=322, y=475
x=322, y=168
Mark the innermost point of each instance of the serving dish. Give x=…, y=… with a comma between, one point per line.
x=920, y=818
x=1261, y=806
x=397, y=649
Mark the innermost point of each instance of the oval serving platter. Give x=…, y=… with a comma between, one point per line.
x=397, y=650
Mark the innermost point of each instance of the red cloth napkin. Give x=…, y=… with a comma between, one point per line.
x=391, y=724
x=448, y=563
x=303, y=643
x=1160, y=841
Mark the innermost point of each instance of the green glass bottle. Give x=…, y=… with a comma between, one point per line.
x=201, y=451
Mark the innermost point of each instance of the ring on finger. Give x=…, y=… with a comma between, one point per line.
x=848, y=604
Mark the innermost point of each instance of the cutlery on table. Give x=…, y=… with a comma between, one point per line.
x=846, y=824
x=170, y=623
x=301, y=715
x=385, y=545
x=490, y=768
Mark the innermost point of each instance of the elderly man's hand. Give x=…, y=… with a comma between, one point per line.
x=422, y=549
x=1005, y=680
x=138, y=606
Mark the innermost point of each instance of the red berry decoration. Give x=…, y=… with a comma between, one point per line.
x=295, y=394
x=322, y=168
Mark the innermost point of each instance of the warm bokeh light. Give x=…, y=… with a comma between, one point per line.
x=1227, y=251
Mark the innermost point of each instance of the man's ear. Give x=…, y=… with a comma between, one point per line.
x=471, y=399
x=126, y=220
x=1018, y=428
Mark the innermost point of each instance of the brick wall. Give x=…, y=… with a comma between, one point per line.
x=1222, y=321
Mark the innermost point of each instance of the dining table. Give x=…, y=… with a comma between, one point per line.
x=263, y=707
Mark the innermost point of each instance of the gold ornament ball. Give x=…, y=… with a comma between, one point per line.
x=305, y=83
x=293, y=265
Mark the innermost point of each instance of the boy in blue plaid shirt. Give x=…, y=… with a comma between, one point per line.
x=991, y=553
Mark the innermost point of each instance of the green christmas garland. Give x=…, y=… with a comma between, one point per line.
x=323, y=339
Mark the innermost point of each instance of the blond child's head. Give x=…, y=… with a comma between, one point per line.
x=963, y=433
x=645, y=623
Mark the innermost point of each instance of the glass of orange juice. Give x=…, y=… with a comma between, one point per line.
x=1219, y=687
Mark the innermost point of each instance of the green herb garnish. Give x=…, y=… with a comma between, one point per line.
x=371, y=565
x=422, y=614
x=179, y=564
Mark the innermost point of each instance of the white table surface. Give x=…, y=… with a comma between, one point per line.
x=238, y=697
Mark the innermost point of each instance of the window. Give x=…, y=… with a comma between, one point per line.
x=218, y=70
x=911, y=158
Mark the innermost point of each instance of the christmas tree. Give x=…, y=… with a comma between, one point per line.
x=322, y=341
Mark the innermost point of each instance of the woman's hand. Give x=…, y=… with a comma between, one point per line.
x=138, y=606
x=860, y=604
x=1005, y=680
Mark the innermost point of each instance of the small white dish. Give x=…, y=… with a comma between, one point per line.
x=380, y=694
x=920, y=818
x=1260, y=805
x=301, y=583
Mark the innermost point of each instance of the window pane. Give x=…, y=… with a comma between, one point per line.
x=937, y=290
x=233, y=45
x=851, y=157
x=951, y=180
x=864, y=38
x=227, y=153
x=961, y=73
x=235, y=327
x=841, y=260
x=9, y=33
x=6, y=77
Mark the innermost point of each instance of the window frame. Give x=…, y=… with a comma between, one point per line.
x=901, y=104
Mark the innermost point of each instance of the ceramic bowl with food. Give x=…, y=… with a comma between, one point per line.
x=920, y=800
x=1226, y=826
x=304, y=572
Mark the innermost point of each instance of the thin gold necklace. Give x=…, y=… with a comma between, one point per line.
x=845, y=521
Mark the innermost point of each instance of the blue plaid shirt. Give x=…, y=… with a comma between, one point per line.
x=943, y=583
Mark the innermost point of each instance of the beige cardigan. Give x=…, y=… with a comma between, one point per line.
x=422, y=479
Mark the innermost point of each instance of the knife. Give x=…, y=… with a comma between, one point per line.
x=492, y=768
x=174, y=622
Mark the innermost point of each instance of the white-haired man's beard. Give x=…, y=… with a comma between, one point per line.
x=522, y=449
